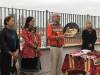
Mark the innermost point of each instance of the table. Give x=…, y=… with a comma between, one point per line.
x=86, y=62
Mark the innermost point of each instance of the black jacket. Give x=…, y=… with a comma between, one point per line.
x=88, y=37
x=9, y=40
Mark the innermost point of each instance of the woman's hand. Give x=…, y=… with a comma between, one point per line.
x=38, y=53
x=90, y=45
x=15, y=54
x=35, y=45
x=10, y=53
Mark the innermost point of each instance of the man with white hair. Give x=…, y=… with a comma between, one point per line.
x=55, y=41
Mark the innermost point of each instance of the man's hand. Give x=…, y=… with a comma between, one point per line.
x=58, y=38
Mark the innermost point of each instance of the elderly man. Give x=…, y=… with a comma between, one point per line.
x=55, y=41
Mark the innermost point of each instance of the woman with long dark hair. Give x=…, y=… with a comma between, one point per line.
x=30, y=51
x=9, y=45
x=89, y=37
